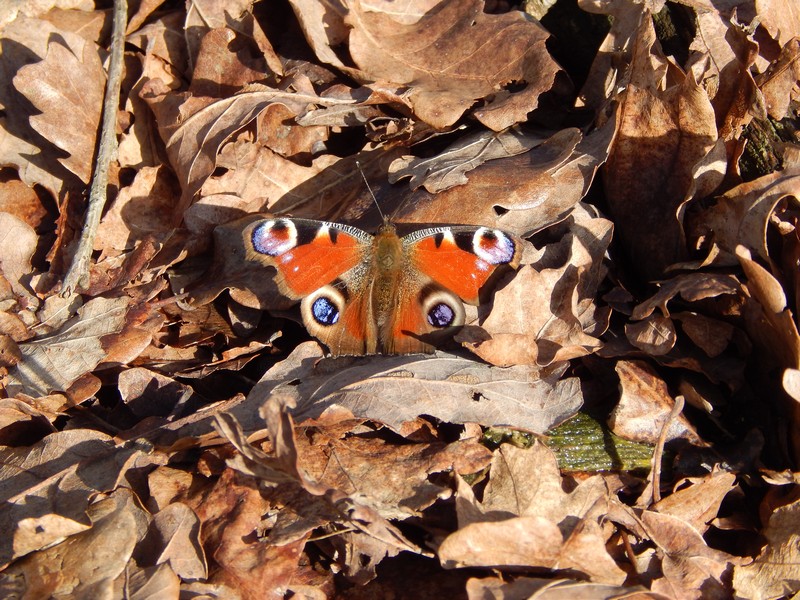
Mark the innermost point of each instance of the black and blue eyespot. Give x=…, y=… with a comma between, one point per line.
x=441, y=315
x=325, y=312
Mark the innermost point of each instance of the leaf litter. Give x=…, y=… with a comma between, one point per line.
x=170, y=432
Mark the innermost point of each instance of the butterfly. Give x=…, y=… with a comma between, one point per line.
x=380, y=294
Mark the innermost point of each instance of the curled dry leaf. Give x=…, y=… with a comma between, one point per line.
x=80, y=463
x=451, y=57
x=520, y=194
x=644, y=405
x=450, y=167
x=547, y=314
x=661, y=136
x=538, y=525
x=88, y=563
x=742, y=215
x=17, y=245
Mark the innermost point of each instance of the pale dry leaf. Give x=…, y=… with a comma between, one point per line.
x=780, y=83
x=547, y=313
x=395, y=390
x=520, y=194
x=661, y=136
x=76, y=464
x=26, y=41
x=527, y=588
x=692, y=287
x=781, y=19
x=691, y=568
x=453, y=56
x=68, y=89
x=54, y=362
x=742, y=215
x=18, y=242
x=697, y=500
x=151, y=583
x=449, y=168
x=174, y=538
x=195, y=129
x=144, y=208
x=644, y=405
x=655, y=334
x=87, y=564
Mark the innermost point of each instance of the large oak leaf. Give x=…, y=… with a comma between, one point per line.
x=454, y=56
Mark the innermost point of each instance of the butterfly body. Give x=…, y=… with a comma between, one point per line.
x=365, y=294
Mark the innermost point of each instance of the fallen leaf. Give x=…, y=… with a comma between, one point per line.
x=70, y=113
x=644, y=405
x=395, y=390
x=55, y=361
x=452, y=56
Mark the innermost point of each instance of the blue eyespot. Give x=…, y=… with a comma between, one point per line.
x=325, y=312
x=441, y=315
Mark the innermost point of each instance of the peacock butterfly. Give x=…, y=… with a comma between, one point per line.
x=368, y=294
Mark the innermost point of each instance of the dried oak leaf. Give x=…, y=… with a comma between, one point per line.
x=546, y=314
x=55, y=361
x=742, y=215
x=774, y=572
x=449, y=168
x=75, y=465
x=691, y=568
x=18, y=242
x=520, y=194
x=527, y=520
x=174, y=538
x=779, y=84
x=26, y=41
x=395, y=390
x=194, y=128
x=662, y=134
x=67, y=87
x=87, y=564
x=644, y=405
x=525, y=588
x=697, y=500
x=452, y=57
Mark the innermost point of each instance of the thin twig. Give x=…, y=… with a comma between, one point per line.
x=77, y=278
x=654, y=480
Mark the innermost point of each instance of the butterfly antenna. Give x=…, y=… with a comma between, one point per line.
x=371, y=193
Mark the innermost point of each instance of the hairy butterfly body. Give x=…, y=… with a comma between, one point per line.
x=365, y=294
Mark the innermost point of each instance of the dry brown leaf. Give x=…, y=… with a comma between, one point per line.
x=67, y=87
x=780, y=83
x=78, y=463
x=644, y=405
x=450, y=167
x=774, y=572
x=194, y=129
x=88, y=563
x=525, y=588
x=453, y=56
x=17, y=245
x=691, y=568
x=395, y=390
x=546, y=314
x=654, y=335
x=145, y=208
x=152, y=583
x=662, y=135
x=54, y=362
x=692, y=287
x=520, y=194
x=742, y=215
x=174, y=539
x=526, y=519
x=697, y=500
